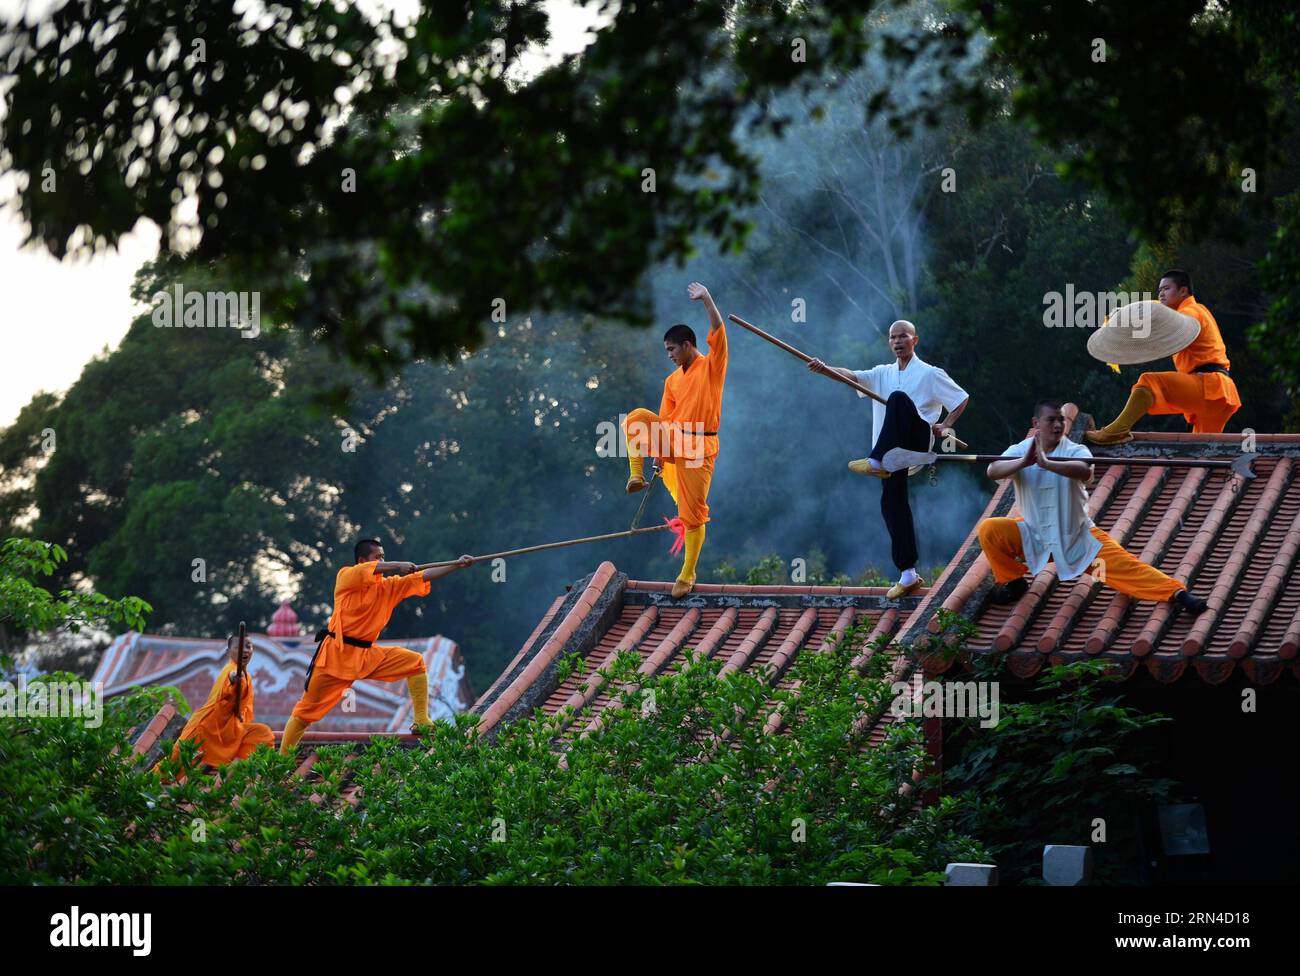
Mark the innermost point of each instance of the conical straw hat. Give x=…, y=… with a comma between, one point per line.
x=1142, y=331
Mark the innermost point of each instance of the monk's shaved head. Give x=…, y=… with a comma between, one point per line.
x=903, y=340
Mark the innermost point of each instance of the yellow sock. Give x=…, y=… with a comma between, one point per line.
x=636, y=462
x=293, y=730
x=1139, y=402
x=694, y=542
x=419, y=688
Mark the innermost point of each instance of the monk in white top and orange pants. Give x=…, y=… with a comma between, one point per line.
x=1049, y=473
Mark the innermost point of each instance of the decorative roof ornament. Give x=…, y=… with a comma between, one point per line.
x=284, y=622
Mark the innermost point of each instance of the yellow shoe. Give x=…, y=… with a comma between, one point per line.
x=682, y=587
x=864, y=466
x=635, y=483
x=1105, y=439
x=899, y=590
x=1119, y=430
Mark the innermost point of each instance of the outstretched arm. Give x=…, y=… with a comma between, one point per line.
x=440, y=571
x=819, y=367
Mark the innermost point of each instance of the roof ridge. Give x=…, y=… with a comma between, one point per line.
x=1186, y=437
x=549, y=651
x=792, y=589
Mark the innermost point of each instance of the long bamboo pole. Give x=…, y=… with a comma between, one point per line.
x=549, y=545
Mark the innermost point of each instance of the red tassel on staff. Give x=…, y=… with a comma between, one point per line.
x=679, y=533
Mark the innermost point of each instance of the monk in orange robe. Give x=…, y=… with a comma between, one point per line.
x=683, y=436
x=364, y=599
x=222, y=735
x=1201, y=389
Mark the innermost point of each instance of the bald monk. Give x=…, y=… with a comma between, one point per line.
x=221, y=735
x=1049, y=473
x=1201, y=389
x=683, y=436
x=364, y=598
x=903, y=431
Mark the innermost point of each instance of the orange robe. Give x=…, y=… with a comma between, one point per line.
x=684, y=431
x=1206, y=400
x=363, y=603
x=222, y=737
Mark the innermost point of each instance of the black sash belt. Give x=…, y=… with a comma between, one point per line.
x=1211, y=368
x=320, y=639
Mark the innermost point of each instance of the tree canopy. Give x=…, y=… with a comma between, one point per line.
x=417, y=177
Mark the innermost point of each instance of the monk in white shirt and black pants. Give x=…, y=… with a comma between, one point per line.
x=902, y=436
x=1049, y=473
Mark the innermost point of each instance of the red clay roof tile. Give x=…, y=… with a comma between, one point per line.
x=759, y=629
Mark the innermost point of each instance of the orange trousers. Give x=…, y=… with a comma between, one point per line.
x=325, y=690
x=1120, y=570
x=686, y=478
x=1206, y=400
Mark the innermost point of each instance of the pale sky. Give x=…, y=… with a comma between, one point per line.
x=59, y=315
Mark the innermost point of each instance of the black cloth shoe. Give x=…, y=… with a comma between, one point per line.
x=1010, y=592
x=1190, y=602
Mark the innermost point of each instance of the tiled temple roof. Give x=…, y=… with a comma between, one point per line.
x=1234, y=543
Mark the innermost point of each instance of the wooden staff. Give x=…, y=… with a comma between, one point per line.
x=1241, y=466
x=649, y=487
x=831, y=374
x=239, y=669
x=549, y=545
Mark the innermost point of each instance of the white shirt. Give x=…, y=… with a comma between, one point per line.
x=929, y=387
x=1056, y=525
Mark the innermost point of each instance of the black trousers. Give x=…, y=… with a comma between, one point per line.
x=903, y=428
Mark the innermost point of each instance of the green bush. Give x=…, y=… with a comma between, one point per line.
x=680, y=785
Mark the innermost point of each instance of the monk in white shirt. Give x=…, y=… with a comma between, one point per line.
x=902, y=436
x=1050, y=473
